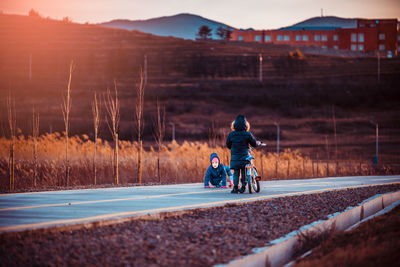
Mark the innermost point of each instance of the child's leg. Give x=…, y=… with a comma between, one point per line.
x=223, y=182
x=236, y=173
x=243, y=178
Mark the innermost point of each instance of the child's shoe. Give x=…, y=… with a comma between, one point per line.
x=235, y=190
x=207, y=186
x=242, y=189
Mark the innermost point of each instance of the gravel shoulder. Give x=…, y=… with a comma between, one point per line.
x=197, y=238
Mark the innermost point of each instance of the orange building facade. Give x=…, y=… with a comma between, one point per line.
x=370, y=35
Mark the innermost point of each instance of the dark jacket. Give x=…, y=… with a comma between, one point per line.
x=217, y=175
x=238, y=141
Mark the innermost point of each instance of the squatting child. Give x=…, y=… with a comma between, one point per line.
x=216, y=173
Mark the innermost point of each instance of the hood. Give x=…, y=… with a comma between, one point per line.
x=240, y=123
x=213, y=155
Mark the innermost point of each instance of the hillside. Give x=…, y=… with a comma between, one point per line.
x=185, y=26
x=203, y=85
x=324, y=22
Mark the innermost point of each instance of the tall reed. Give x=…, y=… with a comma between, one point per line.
x=12, y=123
x=112, y=106
x=35, y=135
x=140, y=122
x=66, y=109
x=96, y=125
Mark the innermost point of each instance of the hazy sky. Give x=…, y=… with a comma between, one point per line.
x=258, y=14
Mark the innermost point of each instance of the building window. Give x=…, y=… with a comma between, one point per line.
x=335, y=37
x=360, y=47
x=286, y=38
x=398, y=38
x=298, y=38
x=398, y=49
x=382, y=47
x=324, y=38
x=381, y=36
x=240, y=38
x=354, y=37
x=267, y=38
x=305, y=37
x=316, y=37
x=362, y=25
x=372, y=25
x=257, y=38
x=324, y=47
x=361, y=37
x=353, y=47
x=336, y=47
x=279, y=38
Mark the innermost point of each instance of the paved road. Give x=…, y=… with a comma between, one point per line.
x=46, y=209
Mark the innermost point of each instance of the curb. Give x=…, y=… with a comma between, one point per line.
x=280, y=254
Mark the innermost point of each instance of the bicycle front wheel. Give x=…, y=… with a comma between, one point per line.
x=257, y=187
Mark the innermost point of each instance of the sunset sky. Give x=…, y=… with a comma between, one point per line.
x=258, y=14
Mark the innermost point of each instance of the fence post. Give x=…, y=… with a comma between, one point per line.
x=304, y=170
x=276, y=168
x=288, y=168
x=317, y=166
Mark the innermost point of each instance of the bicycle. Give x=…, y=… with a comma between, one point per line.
x=253, y=179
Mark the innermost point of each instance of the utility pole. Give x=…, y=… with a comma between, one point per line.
x=173, y=135
x=277, y=137
x=379, y=67
x=377, y=141
x=260, y=71
x=30, y=67
x=375, y=160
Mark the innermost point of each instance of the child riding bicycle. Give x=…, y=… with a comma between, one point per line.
x=238, y=142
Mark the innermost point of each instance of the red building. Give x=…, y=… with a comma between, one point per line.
x=368, y=36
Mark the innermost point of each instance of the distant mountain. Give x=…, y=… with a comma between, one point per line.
x=323, y=23
x=184, y=26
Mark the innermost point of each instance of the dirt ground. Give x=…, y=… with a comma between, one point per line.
x=374, y=243
x=197, y=238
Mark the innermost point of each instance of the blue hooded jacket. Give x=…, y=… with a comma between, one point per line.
x=215, y=175
x=238, y=141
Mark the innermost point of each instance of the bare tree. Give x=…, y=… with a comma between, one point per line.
x=112, y=106
x=12, y=123
x=159, y=133
x=66, y=109
x=96, y=124
x=140, y=122
x=35, y=135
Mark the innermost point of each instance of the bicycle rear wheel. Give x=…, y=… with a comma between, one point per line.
x=250, y=183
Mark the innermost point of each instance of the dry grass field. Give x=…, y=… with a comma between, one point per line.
x=183, y=163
